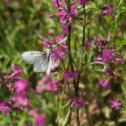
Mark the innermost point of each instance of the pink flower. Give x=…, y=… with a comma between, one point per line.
x=16, y=71
x=115, y=104
x=105, y=69
x=77, y=102
x=107, y=10
x=98, y=58
x=109, y=56
x=20, y=85
x=47, y=84
x=87, y=43
x=4, y=108
x=71, y=75
x=59, y=38
x=20, y=100
x=39, y=120
x=66, y=16
x=104, y=84
x=120, y=59
x=58, y=53
x=47, y=43
x=53, y=86
x=57, y=3
x=83, y=2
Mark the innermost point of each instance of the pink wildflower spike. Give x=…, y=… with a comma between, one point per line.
x=20, y=85
x=66, y=17
x=59, y=38
x=53, y=86
x=120, y=59
x=98, y=59
x=104, y=84
x=46, y=43
x=57, y=3
x=115, y=104
x=64, y=27
x=77, y=102
x=105, y=69
x=20, y=100
x=16, y=71
x=58, y=53
x=38, y=119
x=47, y=84
x=87, y=43
x=83, y=2
x=4, y=108
x=71, y=75
x=109, y=56
x=107, y=10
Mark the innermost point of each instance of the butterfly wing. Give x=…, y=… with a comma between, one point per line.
x=53, y=63
x=31, y=57
x=37, y=58
x=42, y=64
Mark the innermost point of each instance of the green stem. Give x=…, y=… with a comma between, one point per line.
x=88, y=116
x=78, y=121
x=67, y=118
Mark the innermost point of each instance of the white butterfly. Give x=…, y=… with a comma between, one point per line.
x=42, y=61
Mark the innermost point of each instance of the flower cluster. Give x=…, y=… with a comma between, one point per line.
x=19, y=100
x=65, y=15
x=4, y=108
x=77, y=102
x=47, y=84
x=115, y=104
x=71, y=75
x=111, y=57
x=107, y=9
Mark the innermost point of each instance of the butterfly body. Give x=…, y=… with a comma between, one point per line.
x=40, y=60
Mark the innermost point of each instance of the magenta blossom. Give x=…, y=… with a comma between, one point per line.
x=16, y=71
x=104, y=84
x=53, y=86
x=71, y=75
x=58, y=53
x=107, y=10
x=47, y=84
x=109, y=56
x=20, y=85
x=39, y=120
x=20, y=100
x=4, y=108
x=83, y=2
x=57, y=3
x=87, y=43
x=59, y=38
x=77, y=102
x=66, y=16
x=115, y=104
x=106, y=69
x=64, y=27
